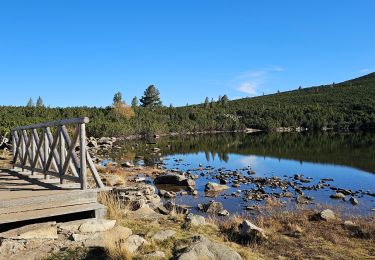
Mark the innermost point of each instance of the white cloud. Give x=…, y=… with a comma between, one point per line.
x=249, y=82
x=248, y=87
x=365, y=70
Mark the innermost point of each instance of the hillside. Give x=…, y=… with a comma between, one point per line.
x=344, y=106
x=350, y=104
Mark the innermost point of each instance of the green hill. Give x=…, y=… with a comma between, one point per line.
x=350, y=104
x=342, y=106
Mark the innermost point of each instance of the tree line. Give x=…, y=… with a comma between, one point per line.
x=344, y=106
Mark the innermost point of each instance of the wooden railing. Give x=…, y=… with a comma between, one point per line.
x=37, y=149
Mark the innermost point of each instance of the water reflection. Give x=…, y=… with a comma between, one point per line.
x=347, y=158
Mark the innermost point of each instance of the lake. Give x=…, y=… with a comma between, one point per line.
x=304, y=160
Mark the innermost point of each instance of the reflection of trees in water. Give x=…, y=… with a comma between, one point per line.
x=351, y=149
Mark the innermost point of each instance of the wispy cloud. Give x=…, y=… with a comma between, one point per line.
x=365, y=70
x=249, y=82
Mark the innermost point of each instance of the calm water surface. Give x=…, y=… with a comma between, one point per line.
x=349, y=159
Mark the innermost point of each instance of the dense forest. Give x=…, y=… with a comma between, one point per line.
x=349, y=105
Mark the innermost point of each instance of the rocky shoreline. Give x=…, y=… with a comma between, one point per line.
x=145, y=222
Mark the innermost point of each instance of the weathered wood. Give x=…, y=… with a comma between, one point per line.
x=39, y=156
x=82, y=151
x=94, y=172
x=70, y=154
x=72, y=144
x=55, y=155
x=82, y=120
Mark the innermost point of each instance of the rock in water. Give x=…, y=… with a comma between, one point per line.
x=174, y=179
x=250, y=231
x=338, y=195
x=203, y=248
x=215, y=187
x=327, y=215
x=354, y=201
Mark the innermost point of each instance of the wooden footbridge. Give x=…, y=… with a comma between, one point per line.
x=50, y=173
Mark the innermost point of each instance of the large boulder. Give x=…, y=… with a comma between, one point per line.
x=134, y=242
x=195, y=220
x=338, y=195
x=215, y=187
x=201, y=247
x=97, y=225
x=163, y=235
x=47, y=230
x=214, y=207
x=174, y=179
x=327, y=215
x=250, y=231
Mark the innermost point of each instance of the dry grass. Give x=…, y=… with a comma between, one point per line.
x=116, y=250
x=115, y=208
x=294, y=235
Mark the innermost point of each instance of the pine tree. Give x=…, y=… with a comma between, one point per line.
x=135, y=102
x=30, y=103
x=151, y=97
x=212, y=103
x=224, y=100
x=206, y=103
x=117, y=98
x=39, y=102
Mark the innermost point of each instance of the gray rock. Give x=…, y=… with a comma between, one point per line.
x=215, y=187
x=47, y=230
x=163, y=235
x=223, y=213
x=155, y=255
x=213, y=207
x=10, y=246
x=250, y=231
x=195, y=220
x=327, y=215
x=201, y=247
x=116, y=234
x=128, y=164
x=134, y=242
x=338, y=195
x=146, y=213
x=353, y=201
x=97, y=225
x=349, y=223
x=174, y=179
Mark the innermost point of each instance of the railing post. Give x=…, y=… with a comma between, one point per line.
x=46, y=147
x=33, y=151
x=23, y=149
x=14, y=148
x=82, y=146
x=62, y=153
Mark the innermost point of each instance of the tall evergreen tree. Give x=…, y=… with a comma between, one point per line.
x=206, y=103
x=135, y=102
x=39, y=102
x=151, y=97
x=117, y=97
x=224, y=100
x=30, y=103
x=212, y=103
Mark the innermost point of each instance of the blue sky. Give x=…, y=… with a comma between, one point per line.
x=80, y=52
